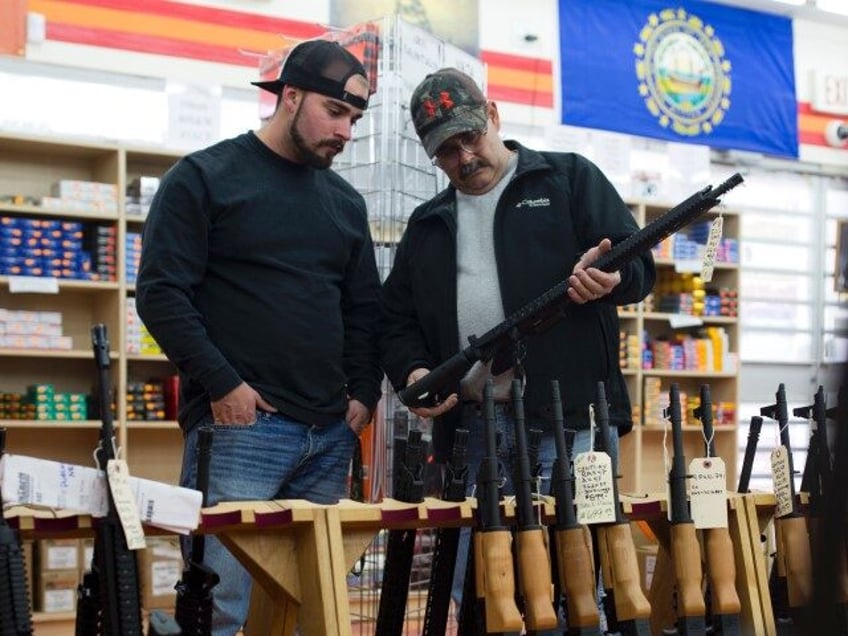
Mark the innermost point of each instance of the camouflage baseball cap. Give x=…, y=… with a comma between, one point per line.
x=447, y=103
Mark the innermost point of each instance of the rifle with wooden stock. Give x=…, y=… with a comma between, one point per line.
x=685, y=549
x=791, y=579
x=15, y=614
x=722, y=599
x=492, y=540
x=447, y=541
x=499, y=343
x=627, y=609
x=574, y=556
x=534, y=562
x=400, y=548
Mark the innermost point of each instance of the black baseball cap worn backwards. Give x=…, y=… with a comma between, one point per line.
x=321, y=66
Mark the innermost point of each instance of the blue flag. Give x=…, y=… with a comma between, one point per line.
x=683, y=71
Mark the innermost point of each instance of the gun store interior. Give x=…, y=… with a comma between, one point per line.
x=220, y=420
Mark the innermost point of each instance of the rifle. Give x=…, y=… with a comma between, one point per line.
x=750, y=452
x=685, y=550
x=447, y=542
x=534, y=562
x=108, y=600
x=818, y=483
x=193, y=610
x=492, y=545
x=722, y=597
x=400, y=547
x=543, y=312
x=574, y=553
x=627, y=609
x=791, y=576
x=15, y=615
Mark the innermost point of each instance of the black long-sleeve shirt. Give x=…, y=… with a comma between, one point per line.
x=260, y=270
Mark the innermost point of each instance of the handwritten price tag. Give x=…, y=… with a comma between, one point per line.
x=781, y=477
x=118, y=476
x=593, y=488
x=713, y=241
x=708, y=492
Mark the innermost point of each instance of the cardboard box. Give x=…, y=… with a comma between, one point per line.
x=56, y=590
x=57, y=554
x=160, y=566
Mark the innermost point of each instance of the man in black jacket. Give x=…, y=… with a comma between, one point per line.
x=512, y=223
x=259, y=282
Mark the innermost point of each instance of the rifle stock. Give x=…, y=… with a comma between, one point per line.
x=685, y=549
x=534, y=562
x=544, y=311
x=724, y=604
x=15, y=614
x=574, y=552
x=617, y=552
x=495, y=577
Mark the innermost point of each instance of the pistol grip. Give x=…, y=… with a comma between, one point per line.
x=621, y=571
x=576, y=563
x=721, y=571
x=494, y=561
x=534, y=570
x=686, y=557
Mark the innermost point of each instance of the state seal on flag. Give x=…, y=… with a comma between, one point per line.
x=684, y=76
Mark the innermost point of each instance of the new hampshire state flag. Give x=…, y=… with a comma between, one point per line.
x=687, y=71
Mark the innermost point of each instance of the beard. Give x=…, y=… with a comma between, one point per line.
x=308, y=155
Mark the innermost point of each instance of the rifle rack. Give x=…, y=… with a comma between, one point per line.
x=300, y=553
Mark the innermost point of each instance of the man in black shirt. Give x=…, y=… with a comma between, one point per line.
x=259, y=282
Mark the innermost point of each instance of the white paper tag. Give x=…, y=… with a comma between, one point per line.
x=118, y=475
x=781, y=477
x=708, y=492
x=713, y=241
x=593, y=490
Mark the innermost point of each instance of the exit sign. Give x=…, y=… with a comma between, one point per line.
x=830, y=93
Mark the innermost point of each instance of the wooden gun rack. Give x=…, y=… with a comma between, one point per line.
x=300, y=553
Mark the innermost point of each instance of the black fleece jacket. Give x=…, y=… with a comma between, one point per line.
x=556, y=207
x=260, y=270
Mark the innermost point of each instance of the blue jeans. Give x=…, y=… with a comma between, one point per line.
x=505, y=426
x=275, y=458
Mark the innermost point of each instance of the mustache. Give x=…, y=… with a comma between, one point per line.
x=467, y=169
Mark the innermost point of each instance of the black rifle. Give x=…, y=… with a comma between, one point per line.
x=722, y=599
x=627, y=609
x=791, y=578
x=534, y=562
x=574, y=556
x=686, y=560
x=15, y=615
x=817, y=481
x=750, y=453
x=543, y=312
x=193, y=610
x=108, y=600
x=400, y=548
x=447, y=542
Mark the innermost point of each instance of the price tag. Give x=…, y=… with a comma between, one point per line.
x=781, y=477
x=119, y=483
x=593, y=488
x=713, y=241
x=708, y=492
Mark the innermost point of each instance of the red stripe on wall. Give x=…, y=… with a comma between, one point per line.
x=293, y=28
x=542, y=99
x=518, y=62
x=147, y=44
x=812, y=138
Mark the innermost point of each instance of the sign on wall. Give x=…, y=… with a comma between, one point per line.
x=681, y=71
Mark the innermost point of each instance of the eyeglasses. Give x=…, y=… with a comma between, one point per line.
x=448, y=153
